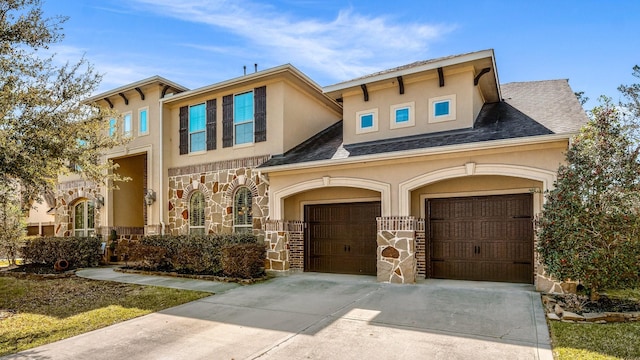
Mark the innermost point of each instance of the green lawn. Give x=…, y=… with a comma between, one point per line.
x=598, y=341
x=37, y=312
x=595, y=341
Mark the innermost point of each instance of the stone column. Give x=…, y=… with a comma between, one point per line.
x=396, y=250
x=284, y=243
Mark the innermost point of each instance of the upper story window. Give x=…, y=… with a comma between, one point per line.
x=366, y=121
x=113, y=125
x=197, y=127
x=242, y=211
x=244, y=117
x=143, y=121
x=402, y=115
x=196, y=213
x=442, y=108
x=126, y=125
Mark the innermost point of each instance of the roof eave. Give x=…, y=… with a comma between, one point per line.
x=484, y=145
x=131, y=86
x=245, y=79
x=420, y=68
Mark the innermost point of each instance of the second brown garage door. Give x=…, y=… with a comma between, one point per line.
x=341, y=238
x=486, y=238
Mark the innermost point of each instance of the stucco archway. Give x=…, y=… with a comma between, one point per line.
x=276, y=198
x=546, y=177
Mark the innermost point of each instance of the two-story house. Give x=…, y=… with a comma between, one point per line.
x=433, y=169
x=452, y=165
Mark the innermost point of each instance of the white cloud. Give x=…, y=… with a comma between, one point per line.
x=347, y=46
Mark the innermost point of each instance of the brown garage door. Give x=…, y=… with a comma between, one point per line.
x=341, y=238
x=482, y=238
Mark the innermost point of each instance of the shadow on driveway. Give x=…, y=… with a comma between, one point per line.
x=324, y=316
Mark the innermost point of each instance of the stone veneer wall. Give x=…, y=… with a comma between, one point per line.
x=218, y=181
x=67, y=195
x=396, y=250
x=279, y=236
x=421, y=248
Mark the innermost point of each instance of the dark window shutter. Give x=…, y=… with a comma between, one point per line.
x=211, y=124
x=260, y=113
x=227, y=121
x=184, y=133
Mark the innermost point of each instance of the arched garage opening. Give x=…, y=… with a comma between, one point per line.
x=477, y=226
x=339, y=218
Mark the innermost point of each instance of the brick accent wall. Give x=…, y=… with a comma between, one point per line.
x=421, y=248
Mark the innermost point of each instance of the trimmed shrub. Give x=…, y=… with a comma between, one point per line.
x=194, y=254
x=243, y=260
x=78, y=252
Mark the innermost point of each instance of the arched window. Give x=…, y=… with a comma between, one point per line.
x=242, y=217
x=196, y=213
x=84, y=219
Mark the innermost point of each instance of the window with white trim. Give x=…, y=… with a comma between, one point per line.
x=143, y=121
x=242, y=210
x=243, y=118
x=84, y=219
x=402, y=115
x=197, y=128
x=196, y=213
x=366, y=121
x=442, y=108
x=126, y=125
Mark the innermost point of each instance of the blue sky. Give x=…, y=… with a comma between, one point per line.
x=199, y=42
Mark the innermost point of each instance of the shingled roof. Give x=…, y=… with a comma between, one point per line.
x=529, y=109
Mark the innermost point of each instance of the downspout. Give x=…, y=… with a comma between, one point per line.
x=161, y=190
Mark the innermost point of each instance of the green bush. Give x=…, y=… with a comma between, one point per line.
x=77, y=251
x=243, y=260
x=195, y=254
x=590, y=228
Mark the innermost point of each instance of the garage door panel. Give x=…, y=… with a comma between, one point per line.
x=492, y=229
x=482, y=238
x=462, y=229
x=341, y=238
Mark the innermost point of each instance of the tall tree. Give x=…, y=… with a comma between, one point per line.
x=590, y=225
x=44, y=125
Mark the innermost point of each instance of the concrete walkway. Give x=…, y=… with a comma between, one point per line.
x=107, y=274
x=322, y=316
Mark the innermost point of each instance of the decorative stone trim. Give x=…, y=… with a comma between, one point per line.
x=250, y=162
x=67, y=195
x=239, y=182
x=396, y=250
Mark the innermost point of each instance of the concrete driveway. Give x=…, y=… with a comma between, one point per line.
x=322, y=316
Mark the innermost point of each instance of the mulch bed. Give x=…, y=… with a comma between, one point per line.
x=581, y=304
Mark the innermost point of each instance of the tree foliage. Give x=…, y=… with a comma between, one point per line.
x=44, y=125
x=11, y=223
x=590, y=225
